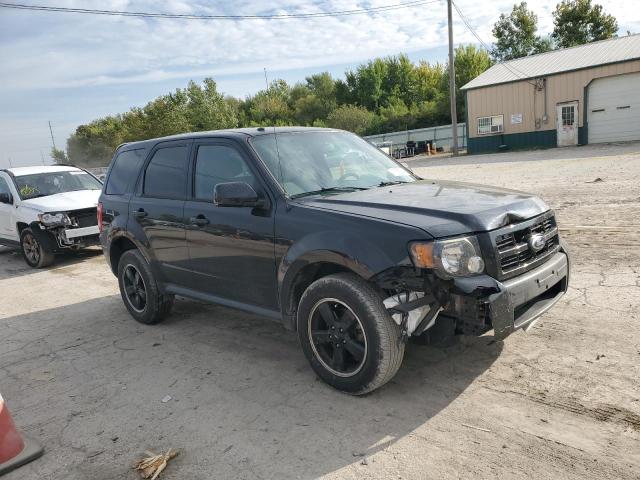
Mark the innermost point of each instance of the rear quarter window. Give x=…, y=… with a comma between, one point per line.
x=124, y=171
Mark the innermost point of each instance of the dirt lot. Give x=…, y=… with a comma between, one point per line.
x=560, y=402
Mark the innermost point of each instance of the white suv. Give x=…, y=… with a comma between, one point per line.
x=47, y=210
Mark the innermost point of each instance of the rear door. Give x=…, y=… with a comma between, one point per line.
x=158, y=208
x=230, y=248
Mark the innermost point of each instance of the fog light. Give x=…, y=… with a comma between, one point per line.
x=475, y=265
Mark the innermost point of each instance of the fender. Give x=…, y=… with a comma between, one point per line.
x=118, y=234
x=349, y=251
x=44, y=237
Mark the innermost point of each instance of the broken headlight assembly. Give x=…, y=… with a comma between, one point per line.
x=456, y=257
x=54, y=219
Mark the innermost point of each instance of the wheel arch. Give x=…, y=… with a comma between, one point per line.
x=121, y=244
x=303, y=274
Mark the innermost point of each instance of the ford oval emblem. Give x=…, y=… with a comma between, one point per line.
x=537, y=242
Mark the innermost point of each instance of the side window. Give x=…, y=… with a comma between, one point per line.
x=218, y=164
x=4, y=186
x=166, y=174
x=124, y=172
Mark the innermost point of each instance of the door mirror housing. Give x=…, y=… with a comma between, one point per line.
x=236, y=194
x=6, y=198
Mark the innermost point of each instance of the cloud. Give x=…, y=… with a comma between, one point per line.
x=44, y=53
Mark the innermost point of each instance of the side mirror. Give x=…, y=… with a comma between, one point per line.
x=6, y=198
x=236, y=194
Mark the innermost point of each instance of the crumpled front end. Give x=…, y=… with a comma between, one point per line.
x=527, y=272
x=482, y=303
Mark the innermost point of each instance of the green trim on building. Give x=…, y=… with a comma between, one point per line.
x=513, y=141
x=583, y=136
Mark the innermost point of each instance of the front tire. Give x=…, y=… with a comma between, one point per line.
x=350, y=340
x=139, y=290
x=34, y=252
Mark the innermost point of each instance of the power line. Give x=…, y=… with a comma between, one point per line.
x=521, y=75
x=159, y=15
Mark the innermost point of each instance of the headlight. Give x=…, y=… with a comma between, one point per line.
x=458, y=257
x=54, y=219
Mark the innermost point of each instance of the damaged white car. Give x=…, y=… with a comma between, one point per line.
x=47, y=210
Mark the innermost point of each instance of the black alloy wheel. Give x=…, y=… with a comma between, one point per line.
x=135, y=288
x=347, y=334
x=338, y=338
x=140, y=291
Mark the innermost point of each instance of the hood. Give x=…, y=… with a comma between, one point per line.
x=64, y=202
x=440, y=208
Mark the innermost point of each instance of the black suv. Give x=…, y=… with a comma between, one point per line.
x=321, y=230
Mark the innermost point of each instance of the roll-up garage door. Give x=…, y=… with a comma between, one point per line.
x=614, y=109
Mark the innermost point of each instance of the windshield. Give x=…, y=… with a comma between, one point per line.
x=311, y=162
x=51, y=183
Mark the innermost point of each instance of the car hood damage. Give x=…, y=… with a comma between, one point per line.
x=64, y=202
x=440, y=208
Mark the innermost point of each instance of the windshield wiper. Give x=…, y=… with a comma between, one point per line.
x=391, y=182
x=327, y=189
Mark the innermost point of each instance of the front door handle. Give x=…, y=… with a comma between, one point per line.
x=200, y=221
x=140, y=213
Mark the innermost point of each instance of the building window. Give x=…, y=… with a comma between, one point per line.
x=568, y=116
x=489, y=125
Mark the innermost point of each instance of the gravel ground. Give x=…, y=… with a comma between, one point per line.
x=562, y=401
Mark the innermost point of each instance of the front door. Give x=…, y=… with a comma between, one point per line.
x=7, y=212
x=567, y=124
x=231, y=249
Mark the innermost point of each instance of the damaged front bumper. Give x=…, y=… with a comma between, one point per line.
x=475, y=304
x=481, y=303
x=57, y=238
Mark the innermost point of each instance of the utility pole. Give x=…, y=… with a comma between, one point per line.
x=51, y=130
x=452, y=85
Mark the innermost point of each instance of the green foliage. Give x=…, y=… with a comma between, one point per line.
x=469, y=63
x=516, y=35
x=351, y=117
x=578, y=21
x=59, y=156
x=383, y=95
x=195, y=108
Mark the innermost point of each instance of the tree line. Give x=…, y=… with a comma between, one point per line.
x=383, y=95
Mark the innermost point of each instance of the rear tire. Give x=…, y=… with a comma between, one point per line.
x=139, y=290
x=348, y=337
x=34, y=252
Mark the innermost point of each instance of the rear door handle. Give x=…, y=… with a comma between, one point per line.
x=200, y=221
x=140, y=213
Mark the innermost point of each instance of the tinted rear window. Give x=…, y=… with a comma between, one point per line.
x=124, y=172
x=166, y=175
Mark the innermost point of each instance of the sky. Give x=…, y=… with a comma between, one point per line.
x=70, y=69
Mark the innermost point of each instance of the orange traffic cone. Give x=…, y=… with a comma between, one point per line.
x=14, y=451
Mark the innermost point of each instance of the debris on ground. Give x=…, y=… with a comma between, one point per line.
x=599, y=356
x=597, y=180
x=476, y=428
x=153, y=465
x=166, y=399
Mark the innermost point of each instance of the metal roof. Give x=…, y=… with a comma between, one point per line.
x=567, y=59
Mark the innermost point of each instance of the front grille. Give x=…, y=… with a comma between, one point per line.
x=515, y=255
x=84, y=218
